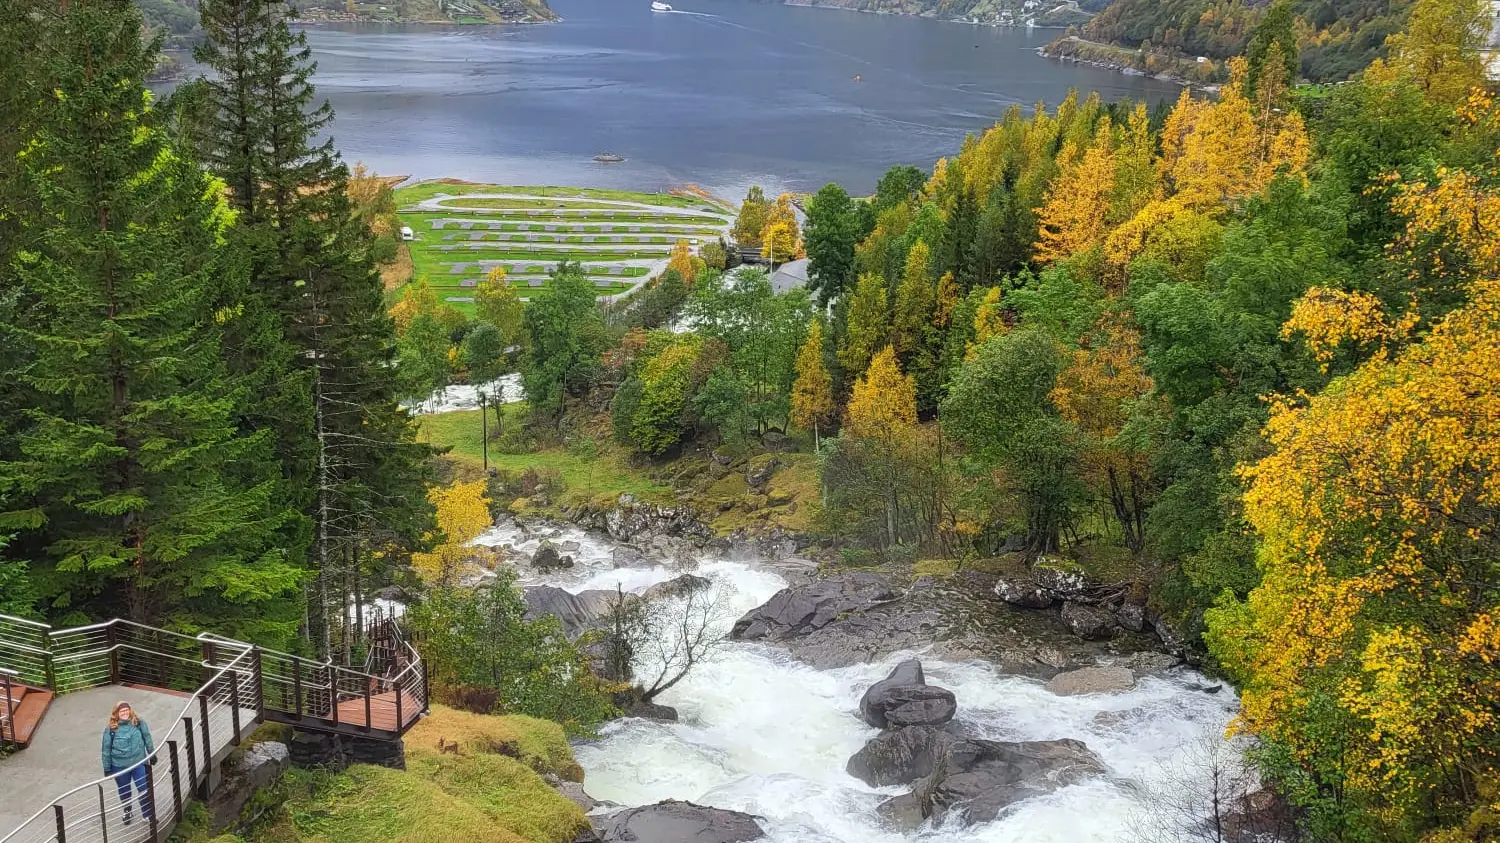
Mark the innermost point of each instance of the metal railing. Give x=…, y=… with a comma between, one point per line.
x=232, y=685
x=222, y=709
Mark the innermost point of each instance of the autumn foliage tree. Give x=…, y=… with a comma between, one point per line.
x=463, y=512
x=812, y=392
x=881, y=411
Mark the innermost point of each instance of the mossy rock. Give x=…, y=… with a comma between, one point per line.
x=779, y=497
x=934, y=568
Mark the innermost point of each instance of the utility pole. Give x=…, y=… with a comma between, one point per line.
x=484, y=431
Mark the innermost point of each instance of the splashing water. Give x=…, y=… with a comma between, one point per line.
x=762, y=733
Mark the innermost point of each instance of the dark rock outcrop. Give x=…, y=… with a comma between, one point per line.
x=1065, y=579
x=905, y=699
x=759, y=472
x=1131, y=616
x=900, y=756
x=549, y=558
x=1091, y=623
x=578, y=613
x=980, y=778
x=800, y=610
x=625, y=556
x=679, y=586
x=258, y=767
x=1023, y=592
x=678, y=822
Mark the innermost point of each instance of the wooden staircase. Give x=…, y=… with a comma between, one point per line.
x=22, y=708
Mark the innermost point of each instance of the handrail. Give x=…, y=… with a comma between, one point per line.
x=25, y=621
x=151, y=757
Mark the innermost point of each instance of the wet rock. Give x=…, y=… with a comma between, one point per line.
x=651, y=711
x=1131, y=616
x=1092, y=680
x=1148, y=663
x=578, y=613
x=573, y=791
x=1172, y=639
x=679, y=822
x=1259, y=815
x=1022, y=592
x=549, y=557
x=801, y=610
x=256, y=769
x=977, y=779
x=1062, y=577
x=1088, y=622
x=679, y=586
x=625, y=556
x=569, y=546
x=899, y=756
x=905, y=699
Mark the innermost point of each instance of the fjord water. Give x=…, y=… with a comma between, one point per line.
x=763, y=733
x=721, y=93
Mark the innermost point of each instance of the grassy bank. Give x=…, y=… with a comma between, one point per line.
x=490, y=789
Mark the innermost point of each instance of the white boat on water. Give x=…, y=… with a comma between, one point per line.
x=658, y=6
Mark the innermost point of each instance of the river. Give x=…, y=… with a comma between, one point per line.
x=722, y=93
x=765, y=734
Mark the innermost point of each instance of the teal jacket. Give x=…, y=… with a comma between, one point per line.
x=125, y=745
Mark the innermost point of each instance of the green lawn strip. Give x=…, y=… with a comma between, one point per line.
x=481, y=220
x=421, y=223
x=503, y=203
x=550, y=255
x=604, y=473
x=427, y=190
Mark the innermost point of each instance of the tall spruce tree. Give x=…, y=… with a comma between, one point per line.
x=352, y=451
x=138, y=492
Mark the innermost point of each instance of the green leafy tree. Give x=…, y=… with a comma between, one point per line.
x=831, y=233
x=497, y=303
x=867, y=326
x=484, y=353
x=998, y=406
x=139, y=490
x=480, y=639
x=755, y=211
x=1276, y=29
x=567, y=337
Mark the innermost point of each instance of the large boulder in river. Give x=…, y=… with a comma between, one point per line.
x=979, y=779
x=679, y=586
x=578, y=613
x=800, y=610
x=1064, y=578
x=905, y=699
x=679, y=822
x=1090, y=623
x=549, y=558
x=900, y=756
x=1092, y=680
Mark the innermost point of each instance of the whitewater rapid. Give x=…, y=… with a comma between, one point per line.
x=762, y=733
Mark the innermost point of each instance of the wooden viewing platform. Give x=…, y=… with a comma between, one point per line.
x=201, y=695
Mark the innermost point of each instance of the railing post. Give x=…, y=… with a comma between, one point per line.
x=151, y=800
x=62, y=827
x=103, y=817
x=333, y=695
x=10, y=709
x=208, y=748
x=260, y=687
x=47, y=666
x=161, y=662
x=176, y=782
x=368, y=723
x=234, y=704
x=297, y=684
x=400, y=720
x=426, y=690
x=114, y=655
x=192, y=755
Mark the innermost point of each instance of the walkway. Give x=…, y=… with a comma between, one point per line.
x=65, y=755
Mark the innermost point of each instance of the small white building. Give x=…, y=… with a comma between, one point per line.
x=407, y=233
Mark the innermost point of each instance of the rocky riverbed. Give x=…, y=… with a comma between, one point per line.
x=1020, y=729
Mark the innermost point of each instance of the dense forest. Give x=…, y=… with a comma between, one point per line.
x=1335, y=38
x=1239, y=355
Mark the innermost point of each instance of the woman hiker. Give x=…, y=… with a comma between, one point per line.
x=126, y=743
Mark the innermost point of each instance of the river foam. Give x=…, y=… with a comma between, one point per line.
x=763, y=733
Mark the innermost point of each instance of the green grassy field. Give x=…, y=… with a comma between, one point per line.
x=603, y=473
x=427, y=190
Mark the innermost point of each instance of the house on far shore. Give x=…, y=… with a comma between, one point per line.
x=789, y=276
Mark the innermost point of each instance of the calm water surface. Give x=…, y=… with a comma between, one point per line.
x=723, y=93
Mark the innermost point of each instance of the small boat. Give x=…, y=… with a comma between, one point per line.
x=858, y=78
x=658, y=6
x=609, y=158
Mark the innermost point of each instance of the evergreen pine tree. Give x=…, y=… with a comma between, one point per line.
x=346, y=445
x=133, y=470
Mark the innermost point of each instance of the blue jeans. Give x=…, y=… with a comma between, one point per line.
x=122, y=783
